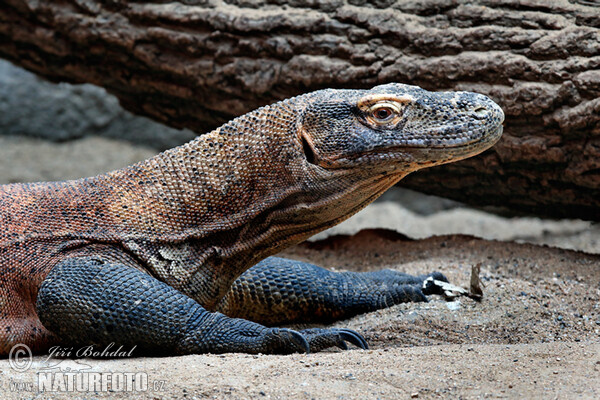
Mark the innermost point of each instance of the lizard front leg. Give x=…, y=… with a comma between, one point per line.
x=281, y=291
x=86, y=300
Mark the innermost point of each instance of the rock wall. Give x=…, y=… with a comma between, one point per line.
x=33, y=107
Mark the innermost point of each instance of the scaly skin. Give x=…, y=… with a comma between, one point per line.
x=174, y=232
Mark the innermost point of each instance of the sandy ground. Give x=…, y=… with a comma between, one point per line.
x=535, y=334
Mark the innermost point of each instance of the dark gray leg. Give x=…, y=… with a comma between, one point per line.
x=88, y=301
x=279, y=291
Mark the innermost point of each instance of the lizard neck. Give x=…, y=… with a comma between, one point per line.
x=212, y=184
x=245, y=190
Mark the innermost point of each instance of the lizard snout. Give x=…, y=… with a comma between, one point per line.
x=481, y=107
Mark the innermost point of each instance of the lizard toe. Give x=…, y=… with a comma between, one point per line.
x=406, y=293
x=286, y=341
x=348, y=335
x=429, y=287
x=438, y=276
x=320, y=339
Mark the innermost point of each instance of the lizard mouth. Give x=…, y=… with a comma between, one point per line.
x=479, y=136
x=423, y=152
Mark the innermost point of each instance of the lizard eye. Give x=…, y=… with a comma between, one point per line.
x=383, y=113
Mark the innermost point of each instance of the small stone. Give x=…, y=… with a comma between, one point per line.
x=414, y=395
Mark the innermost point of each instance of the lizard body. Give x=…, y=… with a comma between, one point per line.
x=180, y=228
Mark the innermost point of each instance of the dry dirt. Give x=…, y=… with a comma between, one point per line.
x=535, y=334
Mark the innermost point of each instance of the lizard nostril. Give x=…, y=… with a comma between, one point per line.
x=480, y=112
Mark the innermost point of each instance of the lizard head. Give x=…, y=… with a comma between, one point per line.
x=397, y=126
x=279, y=174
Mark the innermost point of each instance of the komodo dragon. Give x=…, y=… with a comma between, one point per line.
x=170, y=255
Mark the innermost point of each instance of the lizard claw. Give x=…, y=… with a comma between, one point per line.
x=290, y=340
x=298, y=341
x=320, y=339
x=444, y=288
x=348, y=335
x=429, y=285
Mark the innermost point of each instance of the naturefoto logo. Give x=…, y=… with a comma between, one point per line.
x=75, y=375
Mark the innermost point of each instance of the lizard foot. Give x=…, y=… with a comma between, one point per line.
x=285, y=341
x=404, y=287
x=429, y=287
x=319, y=338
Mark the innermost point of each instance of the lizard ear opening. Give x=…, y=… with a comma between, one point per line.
x=308, y=151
